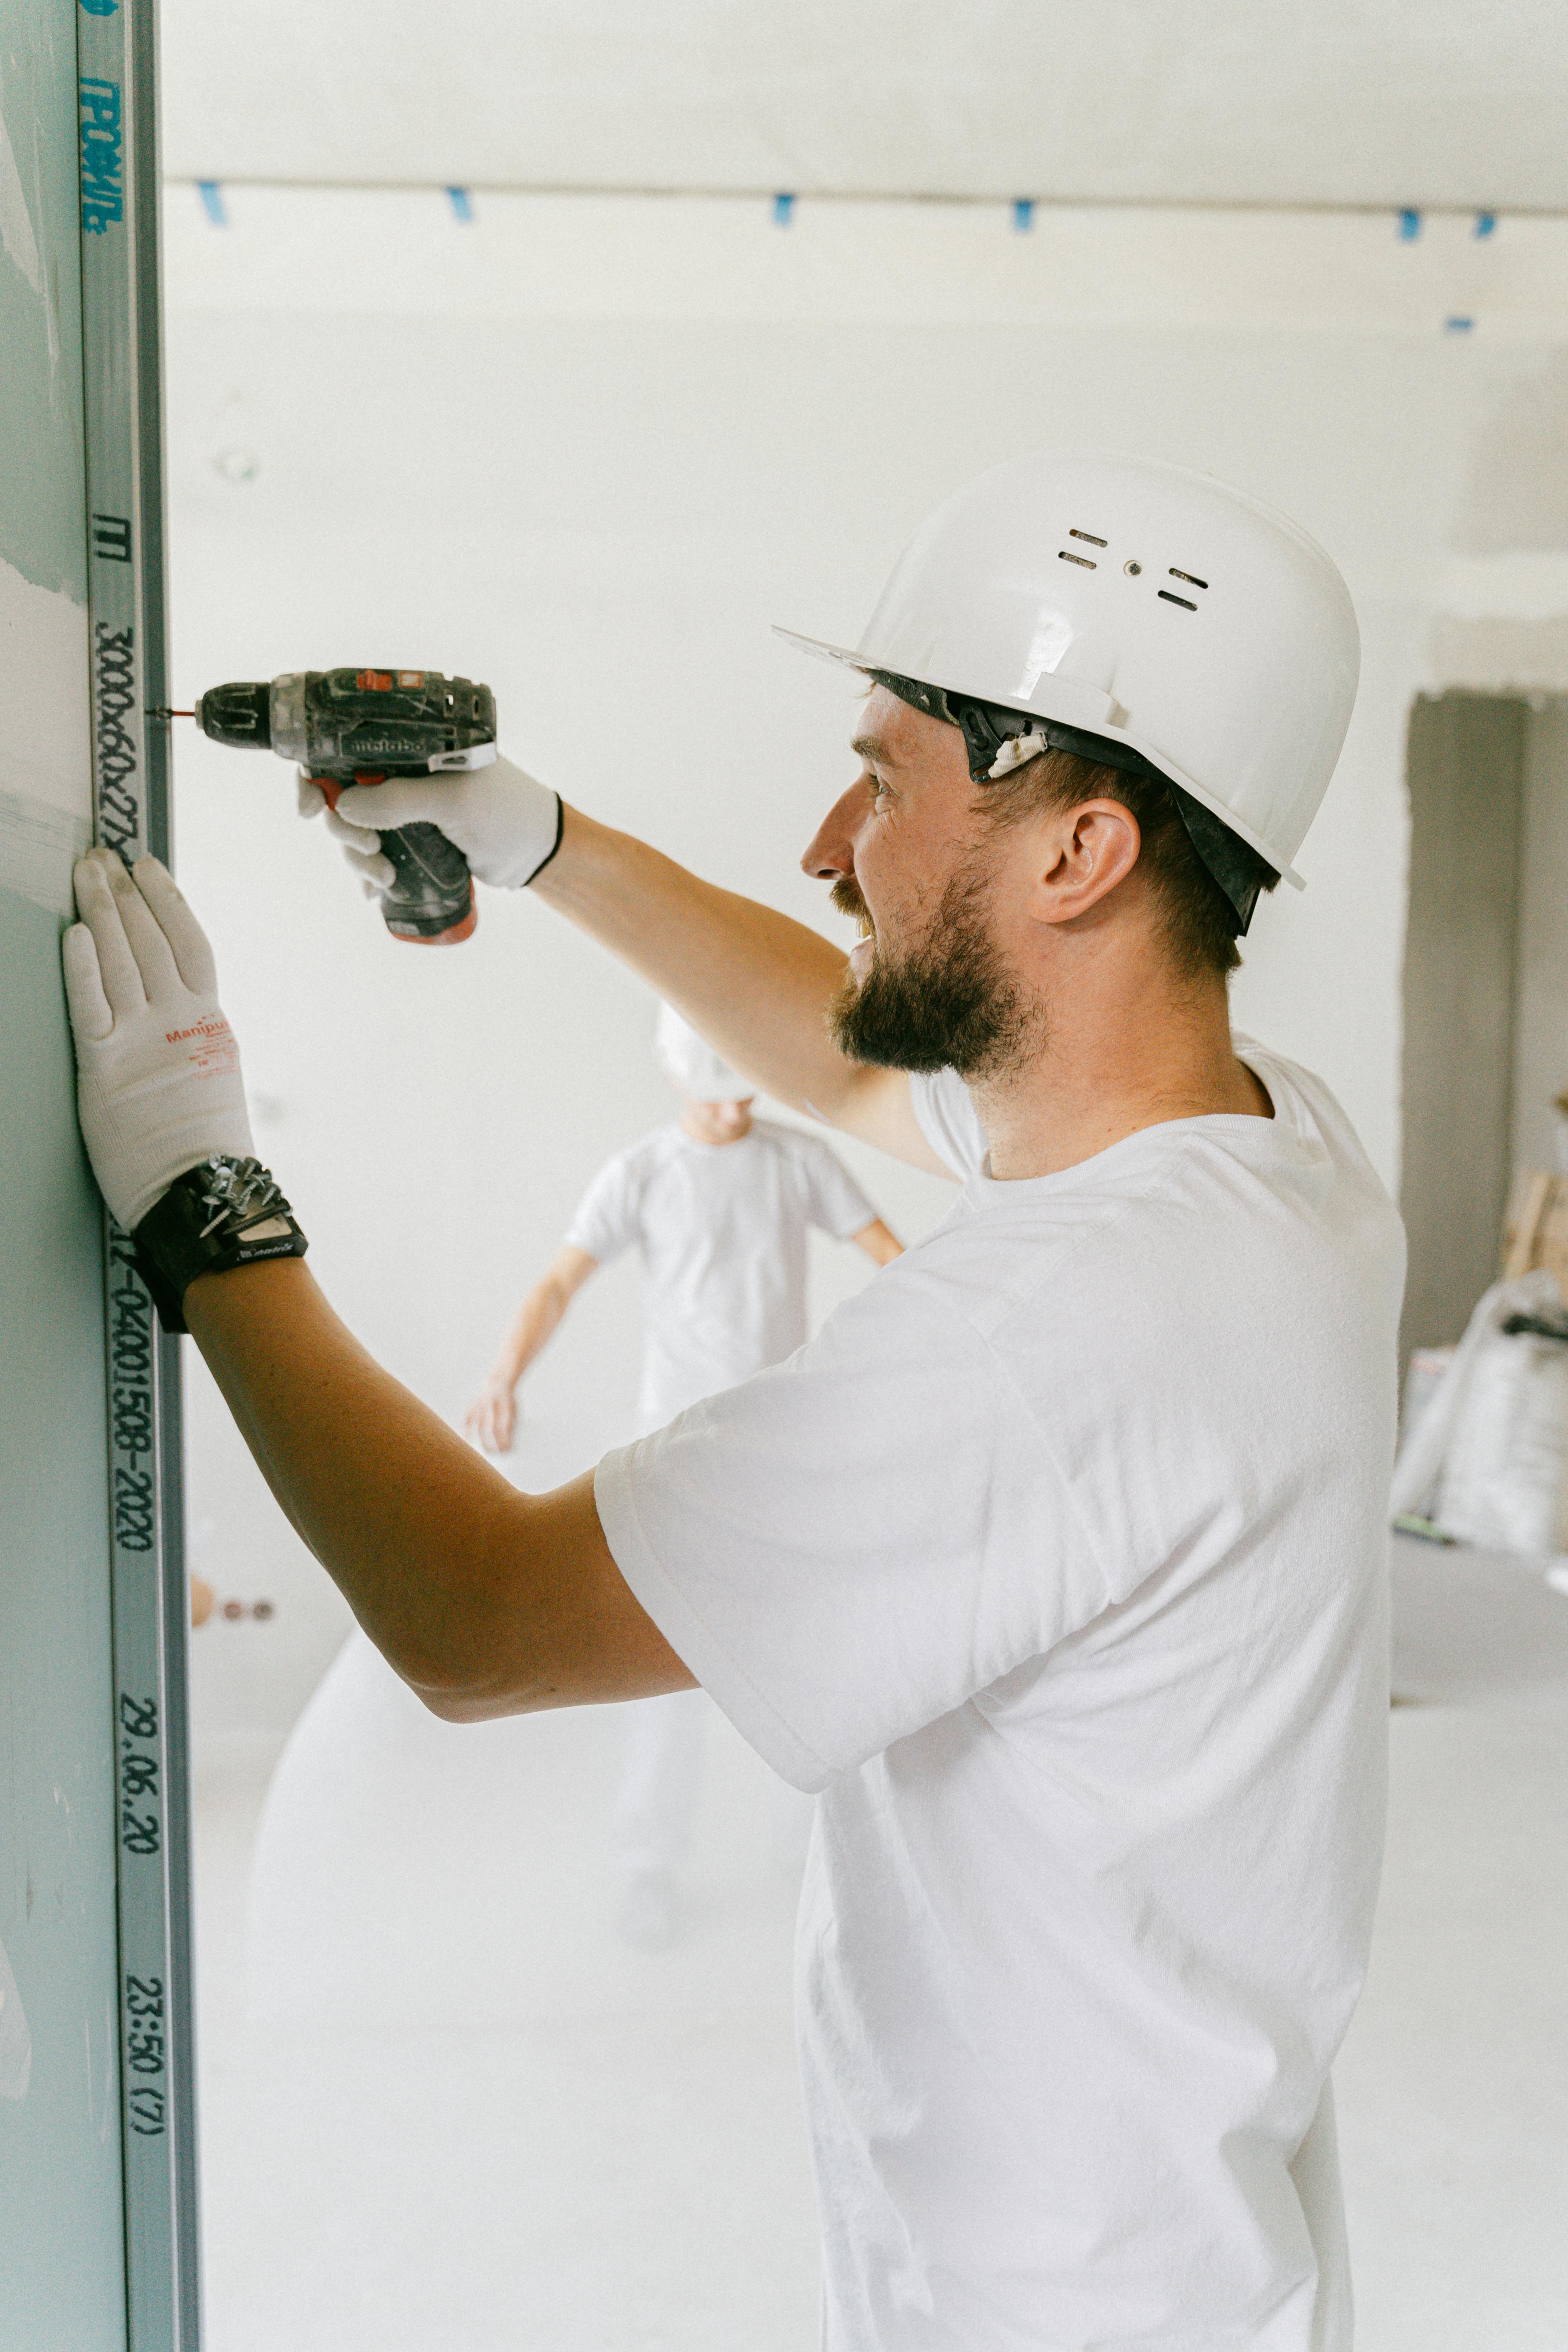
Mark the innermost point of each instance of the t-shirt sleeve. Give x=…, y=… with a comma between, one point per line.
x=834, y=1200
x=947, y=1119
x=605, y=1221
x=856, y=1542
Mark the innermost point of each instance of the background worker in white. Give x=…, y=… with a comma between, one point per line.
x=1057, y=1560
x=719, y=1205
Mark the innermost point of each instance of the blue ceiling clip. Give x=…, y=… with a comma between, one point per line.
x=1023, y=214
x=1409, y=227
x=1486, y=225
x=211, y=195
x=1457, y=325
x=462, y=204
x=783, y=210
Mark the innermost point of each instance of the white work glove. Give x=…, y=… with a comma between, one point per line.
x=506, y=824
x=158, y=1082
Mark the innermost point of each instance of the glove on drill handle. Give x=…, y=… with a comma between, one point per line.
x=430, y=901
x=507, y=824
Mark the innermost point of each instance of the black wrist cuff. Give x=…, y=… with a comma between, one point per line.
x=560, y=829
x=221, y=1213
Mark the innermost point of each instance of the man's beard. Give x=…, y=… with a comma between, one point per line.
x=947, y=1004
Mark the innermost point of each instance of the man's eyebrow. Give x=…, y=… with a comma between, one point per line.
x=872, y=746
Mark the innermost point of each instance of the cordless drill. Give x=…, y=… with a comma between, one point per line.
x=359, y=726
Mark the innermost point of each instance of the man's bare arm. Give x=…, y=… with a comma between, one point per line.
x=879, y=1242
x=491, y=1419
x=755, y=982
x=486, y=1602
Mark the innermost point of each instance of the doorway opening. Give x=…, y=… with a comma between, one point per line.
x=1485, y=987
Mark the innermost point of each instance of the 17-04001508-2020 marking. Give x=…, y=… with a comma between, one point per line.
x=131, y=1404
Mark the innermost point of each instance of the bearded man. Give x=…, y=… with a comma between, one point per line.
x=1055, y=1561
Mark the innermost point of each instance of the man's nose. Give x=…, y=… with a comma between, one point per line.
x=831, y=850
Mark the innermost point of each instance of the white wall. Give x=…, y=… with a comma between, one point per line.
x=588, y=449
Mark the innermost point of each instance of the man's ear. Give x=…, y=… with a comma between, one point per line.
x=1088, y=849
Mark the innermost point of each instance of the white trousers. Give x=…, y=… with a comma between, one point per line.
x=661, y=1787
x=661, y=1783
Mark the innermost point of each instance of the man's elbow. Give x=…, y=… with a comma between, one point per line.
x=469, y=1661
x=579, y=1673
x=459, y=1698
x=445, y=1697
x=476, y=1638
x=454, y=1706
x=529, y=1613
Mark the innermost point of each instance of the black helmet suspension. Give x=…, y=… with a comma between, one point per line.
x=1238, y=869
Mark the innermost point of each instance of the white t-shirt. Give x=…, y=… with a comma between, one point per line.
x=1057, y=1562
x=722, y=1228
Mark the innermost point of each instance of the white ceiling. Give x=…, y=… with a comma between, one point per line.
x=1428, y=103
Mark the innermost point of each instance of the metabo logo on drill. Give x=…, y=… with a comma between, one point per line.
x=103, y=135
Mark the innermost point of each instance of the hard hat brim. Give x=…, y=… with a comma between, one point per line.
x=851, y=658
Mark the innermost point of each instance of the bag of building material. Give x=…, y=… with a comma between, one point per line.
x=1485, y=1456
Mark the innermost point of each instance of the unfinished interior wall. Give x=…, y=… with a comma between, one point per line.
x=1485, y=995
x=1466, y=778
x=1541, y=1028
x=589, y=449
x=61, y=2269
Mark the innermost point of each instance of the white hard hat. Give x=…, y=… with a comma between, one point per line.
x=692, y=1066
x=1145, y=605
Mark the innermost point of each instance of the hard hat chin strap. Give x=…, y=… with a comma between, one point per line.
x=998, y=740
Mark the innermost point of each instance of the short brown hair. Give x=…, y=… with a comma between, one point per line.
x=1198, y=919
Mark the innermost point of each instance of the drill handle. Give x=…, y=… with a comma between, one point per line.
x=431, y=901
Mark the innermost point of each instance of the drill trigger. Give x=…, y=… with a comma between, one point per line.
x=333, y=787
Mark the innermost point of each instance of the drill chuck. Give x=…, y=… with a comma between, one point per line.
x=239, y=714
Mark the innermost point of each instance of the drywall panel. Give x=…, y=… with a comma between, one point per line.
x=61, y=2279
x=60, y=2213
x=1227, y=102
x=1465, y=783
x=44, y=816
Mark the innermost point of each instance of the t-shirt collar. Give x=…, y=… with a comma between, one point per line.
x=1291, y=1129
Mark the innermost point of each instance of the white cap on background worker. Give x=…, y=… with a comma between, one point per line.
x=691, y=1065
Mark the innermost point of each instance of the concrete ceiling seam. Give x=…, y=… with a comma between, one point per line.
x=1355, y=103
x=1485, y=217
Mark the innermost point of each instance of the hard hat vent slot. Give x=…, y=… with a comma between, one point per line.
x=1189, y=577
x=1065, y=555
x=1089, y=536
x=1185, y=602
